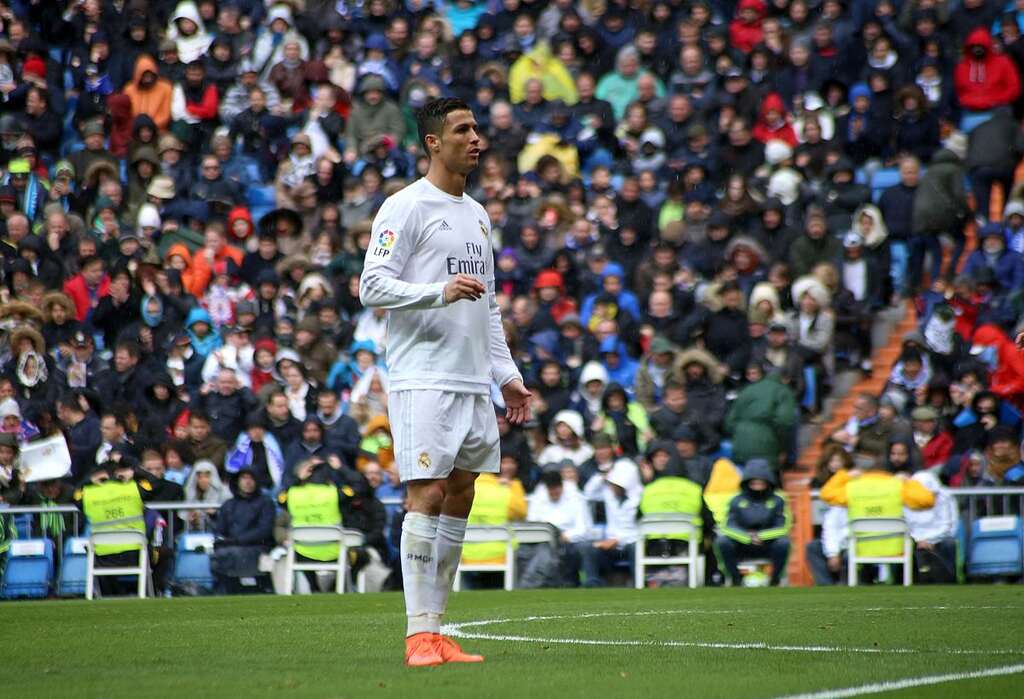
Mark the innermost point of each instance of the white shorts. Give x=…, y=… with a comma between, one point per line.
x=436, y=431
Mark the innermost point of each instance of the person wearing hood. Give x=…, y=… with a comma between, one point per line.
x=161, y=407
x=204, y=485
x=762, y=418
x=622, y=493
x=373, y=114
x=773, y=120
x=145, y=165
x=567, y=440
x=726, y=331
x=985, y=79
x=199, y=327
x=586, y=399
x=613, y=292
x=150, y=94
x=188, y=31
x=758, y=524
x=317, y=352
x=702, y=376
x=243, y=531
x=280, y=28
x=841, y=195
x=624, y=420
x=862, y=133
x=1007, y=265
x=940, y=206
x=745, y=30
x=616, y=361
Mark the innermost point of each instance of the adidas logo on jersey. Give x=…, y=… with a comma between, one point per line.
x=445, y=226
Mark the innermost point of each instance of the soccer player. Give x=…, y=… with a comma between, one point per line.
x=430, y=264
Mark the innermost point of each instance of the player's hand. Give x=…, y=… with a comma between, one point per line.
x=517, y=402
x=463, y=286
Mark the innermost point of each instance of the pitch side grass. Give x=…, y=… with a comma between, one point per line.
x=539, y=644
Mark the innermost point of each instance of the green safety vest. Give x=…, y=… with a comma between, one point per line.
x=490, y=507
x=876, y=498
x=672, y=495
x=315, y=505
x=112, y=506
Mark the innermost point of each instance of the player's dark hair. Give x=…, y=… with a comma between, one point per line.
x=430, y=117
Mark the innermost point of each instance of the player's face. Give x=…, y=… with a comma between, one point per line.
x=460, y=142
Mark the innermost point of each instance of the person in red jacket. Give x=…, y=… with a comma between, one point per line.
x=935, y=444
x=772, y=123
x=745, y=31
x=87, y=287
x=983, y=78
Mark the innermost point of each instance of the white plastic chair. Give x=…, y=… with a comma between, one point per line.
x=874, y=529
x=345, y=538
x=484, y=534
x=118, y=537
x=534, y=533
x=666, y=524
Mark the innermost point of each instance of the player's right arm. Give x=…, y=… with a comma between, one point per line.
x=393, y=242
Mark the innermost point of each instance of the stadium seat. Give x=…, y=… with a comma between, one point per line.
x=29, y=570
x=345, y=538
x=118, y=537
x=483, y=534
x=23, y=523
x=192, y=561
x=260, y=197
x=73, y=568
x=882, y=180
x=996, y=547
x=972, y=120
x=660, y=525
x=872, y=528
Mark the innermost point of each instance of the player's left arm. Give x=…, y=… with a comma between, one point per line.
x=503, y=368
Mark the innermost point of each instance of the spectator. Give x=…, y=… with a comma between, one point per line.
x=621, y=498
x=983, y=78
x=761, y=418
x=204, y=485
x=562, y=505
x=244, y=530
x=758, y=525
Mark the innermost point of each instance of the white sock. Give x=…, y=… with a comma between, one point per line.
x=450, y=533
x=419, y=572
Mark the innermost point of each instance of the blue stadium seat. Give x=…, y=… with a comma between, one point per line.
x=23, y=523
x=996, y=548
x=260, y=197
x=972, y=120
x=71, y=581
x=192, y=561
x=881, y=180
x=29, y=571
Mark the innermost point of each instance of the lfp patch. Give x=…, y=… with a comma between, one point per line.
x=386, y=239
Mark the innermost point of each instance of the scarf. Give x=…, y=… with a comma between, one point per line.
x=301, y=169
x=243, y=454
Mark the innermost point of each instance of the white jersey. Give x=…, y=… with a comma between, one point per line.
x=421, y=238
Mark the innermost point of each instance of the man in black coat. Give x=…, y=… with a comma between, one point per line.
x=897, y=207
x=243, y=530
x=227, y=403
x=82, y=430
x=993, y=150
x=341, y=433
x=125, y=381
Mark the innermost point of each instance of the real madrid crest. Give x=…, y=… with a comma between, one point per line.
x=483, y=228
x=424, y=460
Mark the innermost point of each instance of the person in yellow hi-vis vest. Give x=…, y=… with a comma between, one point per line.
x=870, y=490
x=113, y=503
x=672, y=495
x=315, y=500
x=758, y=524
x=499, y=499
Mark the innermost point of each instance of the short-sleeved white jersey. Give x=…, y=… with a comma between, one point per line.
x=421, y=238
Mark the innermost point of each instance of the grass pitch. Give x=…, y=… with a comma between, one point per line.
x=571, y=643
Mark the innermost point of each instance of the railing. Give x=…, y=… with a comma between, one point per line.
x=972, y=502
x=171, y=511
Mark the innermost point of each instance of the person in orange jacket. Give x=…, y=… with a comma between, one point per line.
x=149, y=93
x=215, y=249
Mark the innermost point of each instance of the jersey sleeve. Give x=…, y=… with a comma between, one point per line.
x=393, y=240
x=503, y=368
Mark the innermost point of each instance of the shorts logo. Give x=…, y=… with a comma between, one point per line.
x=386, y=239
x=424, y=461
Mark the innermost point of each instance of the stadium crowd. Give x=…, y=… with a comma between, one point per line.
x=697, y=209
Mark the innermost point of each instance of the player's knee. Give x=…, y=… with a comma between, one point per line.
x=426, y=497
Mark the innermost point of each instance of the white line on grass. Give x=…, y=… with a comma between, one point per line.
x=894, y=685
x=458, y=630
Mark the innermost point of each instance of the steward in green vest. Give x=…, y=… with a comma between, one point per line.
x=494, y=504
x=673, y=495
x=870, y=491
x=112, y=504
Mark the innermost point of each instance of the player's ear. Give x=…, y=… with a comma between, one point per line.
x=433, y=143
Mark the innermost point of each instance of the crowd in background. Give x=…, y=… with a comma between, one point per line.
x=698, y=210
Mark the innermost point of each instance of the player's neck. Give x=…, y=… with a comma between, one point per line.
x=446, y=180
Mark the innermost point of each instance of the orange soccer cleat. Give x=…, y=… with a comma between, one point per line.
x=452, y=652
x=423, y=650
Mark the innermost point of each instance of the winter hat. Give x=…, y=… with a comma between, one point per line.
x=149, y=217
x=548, y=278
x=784, y=185
x=10, y=407
x=34, y=66
x=1014, y=206
x=777, y=151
